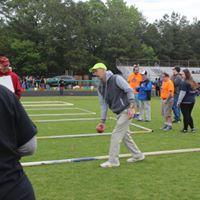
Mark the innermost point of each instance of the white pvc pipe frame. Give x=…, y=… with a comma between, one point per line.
x=154, y=153
x=144, y=130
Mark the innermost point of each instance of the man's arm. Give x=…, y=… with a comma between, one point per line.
x=28, y=148
x=171, y=89
x=180, y=97
x=183, y=90
x=169, y=95
x=148, y=86
x=104, y=107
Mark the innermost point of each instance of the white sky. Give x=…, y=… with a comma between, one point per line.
x=155, y=9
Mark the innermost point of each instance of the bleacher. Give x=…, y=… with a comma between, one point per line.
x=156, y=71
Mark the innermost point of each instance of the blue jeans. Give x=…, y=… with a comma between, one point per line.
x=176, y=110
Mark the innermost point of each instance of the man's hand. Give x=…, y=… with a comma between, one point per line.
x=131, y=112
x=165, y=101
x=100, y=128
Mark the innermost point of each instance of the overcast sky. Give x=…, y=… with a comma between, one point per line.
x=155, y=9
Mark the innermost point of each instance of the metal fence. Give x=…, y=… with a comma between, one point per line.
x=165, y=63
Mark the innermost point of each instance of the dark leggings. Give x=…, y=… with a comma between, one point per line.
x=186, y=110
x=23, y=191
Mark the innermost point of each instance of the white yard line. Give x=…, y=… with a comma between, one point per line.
x=48, y=105
x=146, y=130
x=32, y=109
x=60, y=114
x=85, y=110
x=63, y=120
x=39, y=102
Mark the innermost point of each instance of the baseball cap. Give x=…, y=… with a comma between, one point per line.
x=98, y=66
x=144, y=72
x=4, y=61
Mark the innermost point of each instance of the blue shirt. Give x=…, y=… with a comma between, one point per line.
x=144, y=90
x=190, y=93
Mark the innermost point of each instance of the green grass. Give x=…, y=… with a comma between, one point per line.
x=169, y=177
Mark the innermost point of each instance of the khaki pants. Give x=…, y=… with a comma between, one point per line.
x=119, y=134
x=145, y=109
x=166, y=107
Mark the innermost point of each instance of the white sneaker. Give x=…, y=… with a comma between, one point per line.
x=108, y=164
x=136, y=159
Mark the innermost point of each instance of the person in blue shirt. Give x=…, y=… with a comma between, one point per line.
x=144, y=96
x=186, y=100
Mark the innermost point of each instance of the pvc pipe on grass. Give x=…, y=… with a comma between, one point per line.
x=154, y=153
x=82, y=135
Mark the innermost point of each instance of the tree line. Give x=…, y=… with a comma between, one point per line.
x=46, y=37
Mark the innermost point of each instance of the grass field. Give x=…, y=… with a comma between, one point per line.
x=169, y=177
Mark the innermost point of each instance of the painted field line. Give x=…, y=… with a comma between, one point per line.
x=63, y=120
x=148, y=130
x=48, y=105
x=39, y=102
x=80, y=135
x=144, y=129
x=154, y=153
x=60, y=114
x=84, y=110
x=69, y=108
x=32, y=109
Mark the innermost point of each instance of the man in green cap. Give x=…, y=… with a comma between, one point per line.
x=115, y=93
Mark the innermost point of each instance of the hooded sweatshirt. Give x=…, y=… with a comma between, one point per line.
x=115, y=94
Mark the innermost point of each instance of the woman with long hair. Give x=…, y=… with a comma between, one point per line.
x=186, y=100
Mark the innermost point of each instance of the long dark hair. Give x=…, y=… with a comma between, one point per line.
x=190, y=80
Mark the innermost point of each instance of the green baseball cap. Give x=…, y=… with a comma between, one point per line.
x=97, y=66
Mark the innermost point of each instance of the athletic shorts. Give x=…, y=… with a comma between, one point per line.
x=167, y=107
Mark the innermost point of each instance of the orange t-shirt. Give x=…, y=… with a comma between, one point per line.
x=134, y=80
x=166, y=88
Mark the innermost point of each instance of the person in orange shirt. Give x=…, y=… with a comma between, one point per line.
x=167, y=98
x=134, y=80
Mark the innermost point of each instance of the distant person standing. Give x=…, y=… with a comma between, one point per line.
x=157, y=87
x=167, y=98
x=17, y=139
x=9, y=76
x=144, y=96
x=42, y=83
x=61, y=87
x=176, y=79
x=115, y=93
x=134, y=80
x=186, y=100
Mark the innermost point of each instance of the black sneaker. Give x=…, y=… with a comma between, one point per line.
x=184, y=131
x=164, y=127
x=168, y=128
